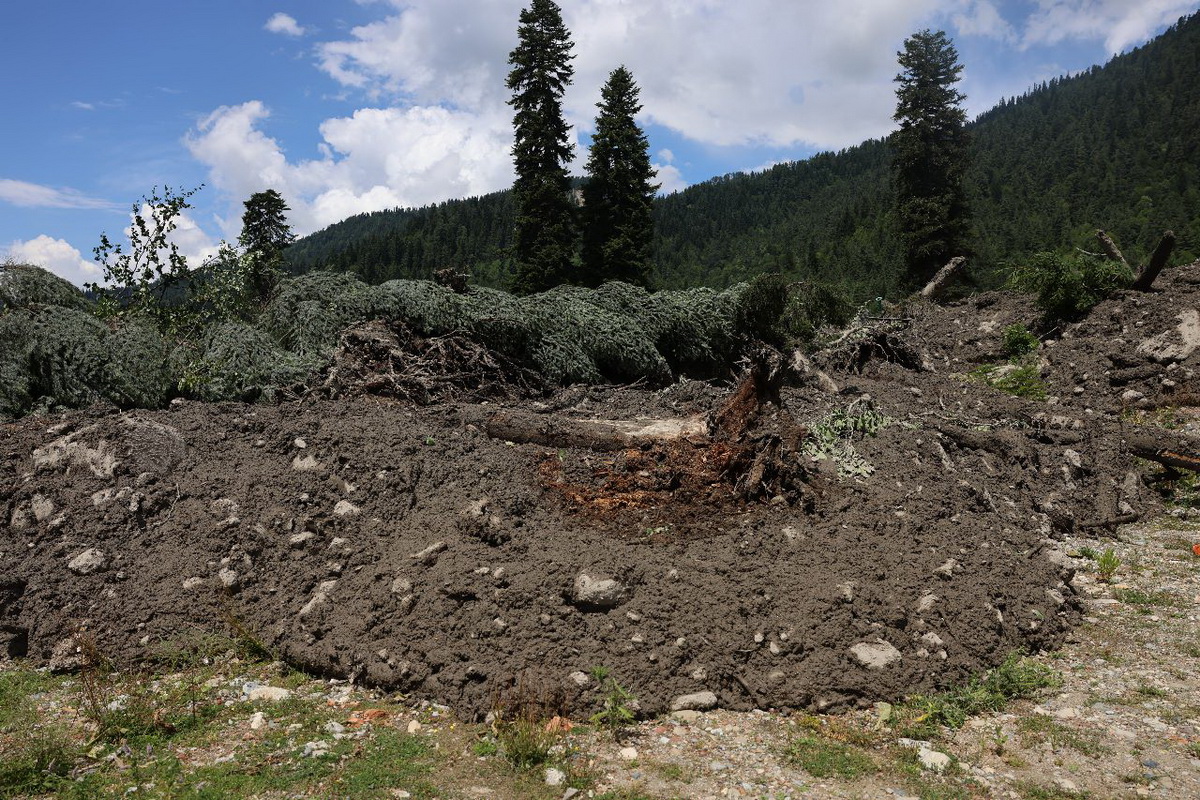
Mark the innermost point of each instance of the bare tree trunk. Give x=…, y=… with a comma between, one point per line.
x=937, y=287
x=1157, y=261
x=1110, y=248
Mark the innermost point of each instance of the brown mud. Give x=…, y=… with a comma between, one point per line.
x=399, y=544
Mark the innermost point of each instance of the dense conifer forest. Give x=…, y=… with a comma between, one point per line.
x=1115, y=147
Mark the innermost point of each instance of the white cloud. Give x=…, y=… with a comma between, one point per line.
x=720, y=72
x=57, y=256
x=284, y=24
x=33, y=195
x=982, y=18
x=1120, y=23
x=378, y=158
x=669, y=178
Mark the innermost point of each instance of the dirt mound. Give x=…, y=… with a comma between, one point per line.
x=910, y=544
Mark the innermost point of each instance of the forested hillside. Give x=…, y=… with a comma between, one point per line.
x=1116, y=147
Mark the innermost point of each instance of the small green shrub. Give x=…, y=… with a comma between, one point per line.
x=1018, y=341
x=1021, y=378
x=1068, y=286
x=1107, y=564
x=1015, y=678
x=616, y=708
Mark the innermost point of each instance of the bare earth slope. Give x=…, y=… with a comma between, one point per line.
x=407, y=548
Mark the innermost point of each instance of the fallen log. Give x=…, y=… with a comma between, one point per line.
x=605, y=436
x=937, y=286
x=1157, y=261
x=1178, y=454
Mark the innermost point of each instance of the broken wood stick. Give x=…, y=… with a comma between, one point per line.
x=1157, y=261
x=937, y=287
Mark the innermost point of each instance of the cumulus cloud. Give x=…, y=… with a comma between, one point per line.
x=375, y=159
x=1120, y=23
x=669, y=178
x=33, y=195
x=55, y=255
x=982, y=18
x=284, y=24
x=817, y=73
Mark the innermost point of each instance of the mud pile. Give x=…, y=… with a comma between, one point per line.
x=413, y=547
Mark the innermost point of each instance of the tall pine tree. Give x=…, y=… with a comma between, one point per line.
x=618, y=228
x=265, y=235
x=545, y=218
x=929, y=155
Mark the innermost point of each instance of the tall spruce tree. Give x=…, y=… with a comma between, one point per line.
x=265, y=235
x=618, y=228
x=929, y=155
x=545, y=213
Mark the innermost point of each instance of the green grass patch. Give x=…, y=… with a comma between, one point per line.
x=1032, y=791
x=1038, y=729
x=822, y=758
x=1017, y=677
x=1020, y=377
x=1137, y=597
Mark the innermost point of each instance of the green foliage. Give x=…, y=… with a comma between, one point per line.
x=929, y=155
x=616, y=703
x=308, y=313
x=545, y=215
x=760, y=307
x=35, y=756
x=265, y=234
x=525, y=743
x=1068, y=286
x=618, y=226
x=1014, y=679
x=57, y=356
x=1018, y=341
x=1107, y=564
x=811, y=306
x=234, y=361
x=141, y=279
x=23, y=285
x=833, y=437
x=822, y=758
x=1019, y=377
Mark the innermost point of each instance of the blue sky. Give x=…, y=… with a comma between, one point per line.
x=358, y=105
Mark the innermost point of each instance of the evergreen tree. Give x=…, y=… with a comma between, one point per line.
x=545, y=216
x=618, y=227
x=265, y=235
x=929, y=155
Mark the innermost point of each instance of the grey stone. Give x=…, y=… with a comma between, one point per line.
x=344, y=508
x=597, y=591
x=228, y=578
x=933, y=760
x=875, y=655
x=697, y=701
x=88, y=562
x=267, y=694
x=42, y=507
